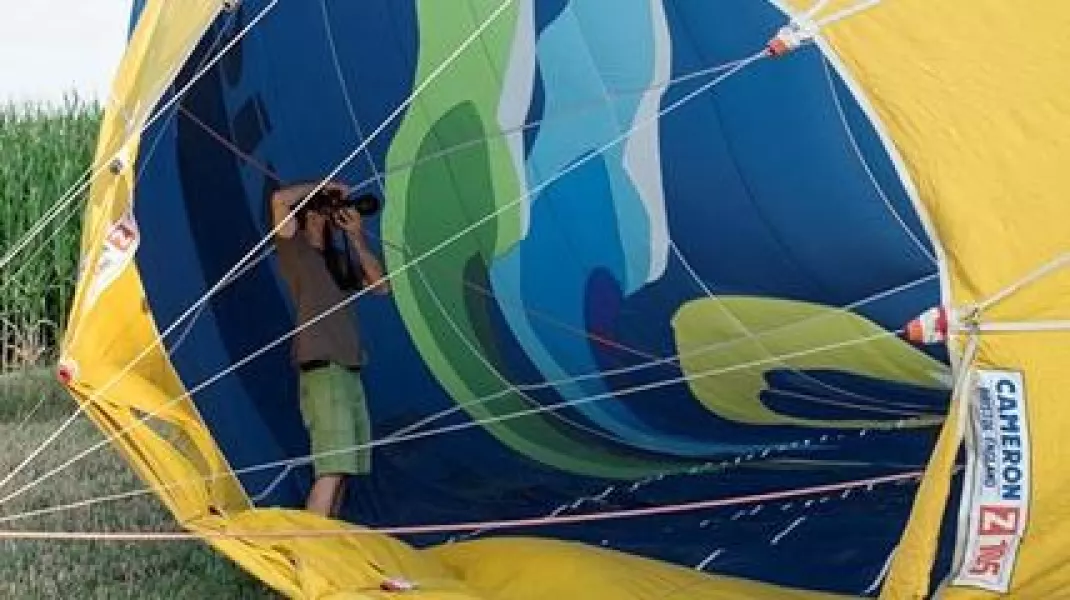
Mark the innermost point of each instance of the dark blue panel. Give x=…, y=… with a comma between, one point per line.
x=776, y=185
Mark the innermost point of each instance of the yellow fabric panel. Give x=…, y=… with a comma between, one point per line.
x=533, y=569
x=968, y=90
x=973, y=93
x=912, y=562
x=329, y=566
x=1042, y=570
x=111, y=328
x=165, y=35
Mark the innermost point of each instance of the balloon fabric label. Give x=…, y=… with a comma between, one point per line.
x=996, y=496
x=120, y=243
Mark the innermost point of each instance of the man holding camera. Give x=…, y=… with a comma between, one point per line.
x=327, y=351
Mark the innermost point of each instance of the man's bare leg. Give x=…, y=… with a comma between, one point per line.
x=339, y=496
x=325, y=494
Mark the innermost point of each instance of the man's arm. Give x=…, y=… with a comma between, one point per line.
x=369, y=263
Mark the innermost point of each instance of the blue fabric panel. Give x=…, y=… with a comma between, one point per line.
x=776, y=185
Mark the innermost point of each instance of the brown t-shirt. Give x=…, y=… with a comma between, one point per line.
x=335, y=337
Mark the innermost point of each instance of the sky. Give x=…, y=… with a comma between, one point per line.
x=52, y=47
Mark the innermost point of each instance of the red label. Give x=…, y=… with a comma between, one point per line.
x=998, y=520
x=989, y=559
x=121, y=236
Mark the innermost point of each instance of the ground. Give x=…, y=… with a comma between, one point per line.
x=39, y=569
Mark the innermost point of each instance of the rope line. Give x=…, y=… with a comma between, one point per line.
x=401, y=269
x=456, y=527
x=751, y=337
x=869, y=172
x=482, y=290
x=91, y=174
x=241, y=263
x=509, y=523
x=82, y=406
x=63, y=204
x=1022, y=326
x=1056, y=264
x=511, y=387
x=404, y=432
x=394, y=439
x=847, y=12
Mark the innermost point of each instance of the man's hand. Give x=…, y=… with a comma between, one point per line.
x=349, y=220
x=337, y=186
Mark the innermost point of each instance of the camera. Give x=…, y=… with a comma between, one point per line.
x=331, y=201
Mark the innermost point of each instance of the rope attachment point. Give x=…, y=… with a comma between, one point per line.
x=791, y=37
x=930, y=327
x=67, y=372
x=935, y=325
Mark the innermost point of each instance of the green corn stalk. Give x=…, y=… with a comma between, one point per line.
x=43, y=151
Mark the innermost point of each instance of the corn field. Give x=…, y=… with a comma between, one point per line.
x=44, y=150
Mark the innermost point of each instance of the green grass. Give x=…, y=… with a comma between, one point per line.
x=44, y=150
x=33, y=569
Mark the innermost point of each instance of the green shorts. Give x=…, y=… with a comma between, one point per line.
x=335, y=412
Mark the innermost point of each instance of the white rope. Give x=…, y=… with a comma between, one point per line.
x=869, y=484
x=269, y=488
x=266, y=239
x=13, y=278
x=877, y=408
x=397, y=439
x=815, y=8
x=749, y=335
x=82, y=406
x=742, y=64
x=401, y=269
x=74, y=192
x=68, y=197
x=50, y=510
x=344, y=86
x=576, y=110
x=1056, y=264
x=33, y=411
x=962, y=379
x=1022, y=326
x=847, y=12
x=881, y=575
x=869, y=172
x=674, y=359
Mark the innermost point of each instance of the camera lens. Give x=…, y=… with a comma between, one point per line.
x=367, y=204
